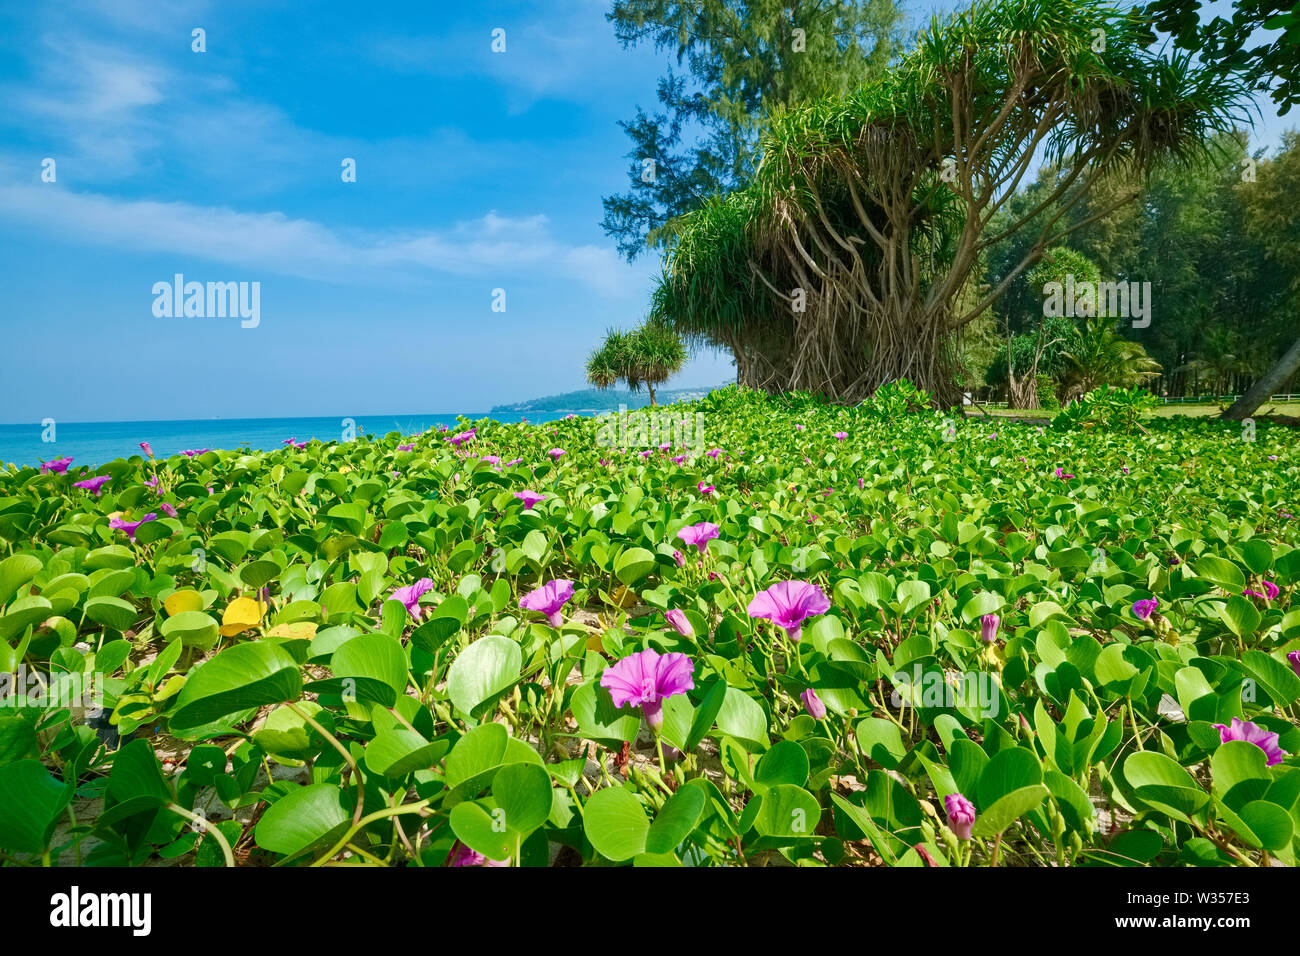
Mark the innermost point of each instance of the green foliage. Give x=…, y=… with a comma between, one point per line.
x=648, y=355
x=470, y=728
x=893, y=400
x=744, y=61
x=798, y=271
x=1111, y=409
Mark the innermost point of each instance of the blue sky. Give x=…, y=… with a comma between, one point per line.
x=475, y=171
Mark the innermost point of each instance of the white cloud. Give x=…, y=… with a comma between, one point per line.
x=495, y=246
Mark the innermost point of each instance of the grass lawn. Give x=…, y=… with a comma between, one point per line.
x=1164, y=411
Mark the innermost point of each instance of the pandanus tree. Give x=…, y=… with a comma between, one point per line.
x=848, y=260
x=648, y=356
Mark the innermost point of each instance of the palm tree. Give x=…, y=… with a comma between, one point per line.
x=1101, y=356
x=648, y=355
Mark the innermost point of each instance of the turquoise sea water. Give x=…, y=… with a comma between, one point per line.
x=93, y=443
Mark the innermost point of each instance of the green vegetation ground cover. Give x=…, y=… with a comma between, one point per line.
x=1060, y=646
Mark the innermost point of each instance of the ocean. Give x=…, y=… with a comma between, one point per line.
x=93, y=443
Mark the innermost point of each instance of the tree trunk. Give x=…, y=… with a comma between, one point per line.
x=652, y=394
x=1271, y=381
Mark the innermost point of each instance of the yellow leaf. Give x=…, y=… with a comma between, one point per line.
x=624, y=597
x=593, y=643
x=298, y=631
x=242, y=614
x=186, y=599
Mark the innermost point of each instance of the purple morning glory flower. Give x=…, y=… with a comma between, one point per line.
x=813, y=704
x=171, y=512
x=679, y=622
x=704, y=489
x=461, y=855
x=144, y=445
x=788, y=604
x=699, y=534
x=556, y=453
x=410, y=447
x=714, y=452
x=989, y=624
x=548, y=599
x=1293, y=658
x=1144, y=609
x=841, y=435
x=645, y=678
x=57, y=465
x=93, y=484
x=1271, y=590
x=410, y=596
x=1253, y=734
x=961, y=815
x=194, y=452
x=130, y=526
x=530, y=498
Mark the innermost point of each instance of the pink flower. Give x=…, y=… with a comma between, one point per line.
x=548, y=599
x=989, y=627
x=679, y=622
x=410, y=447
x=461, y=855
x=861, y=483
x=171, y=512
x=511, y=464
x=677, y=556
x=645, y=678
x=788, y=604
x=556, y=453
x=646, y=454
x=699, y=535
x=147, y=450
x=93, y=484
x=1144, y=609
x=714, y=453
x=961, y=815
x=1293, y=658
x=1271, y=590
x=841, y=435
x=813, y=704
x=130, y=526
x=1060, y=473
x=410, y=596
x=704, y=489
x=530, y=498
x=678, y=459
x=798, y=428
x=1253, y=734
x=57, y=465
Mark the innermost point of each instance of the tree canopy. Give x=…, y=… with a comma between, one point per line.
x=847, y=261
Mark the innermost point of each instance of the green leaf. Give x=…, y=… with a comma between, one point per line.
x=615, y=823
x=676, y=820
x=238, y=678
x=485, y=669
x=33, y=801
x=307, y=817
x=1007, y=809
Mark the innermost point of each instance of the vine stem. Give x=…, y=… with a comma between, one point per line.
x=209, y=828
x=343, y=752
x=366, y=821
